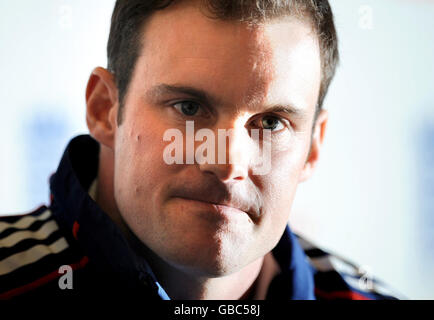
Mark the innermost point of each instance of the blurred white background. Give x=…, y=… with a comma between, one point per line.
x=372, y=197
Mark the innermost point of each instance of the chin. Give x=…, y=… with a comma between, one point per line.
x=210, y=261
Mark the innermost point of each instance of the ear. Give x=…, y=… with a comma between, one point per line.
x=102, y=106
x=316, y=145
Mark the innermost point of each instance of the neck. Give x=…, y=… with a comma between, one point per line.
x=181, y=284
x=178, y=283
x=237, y=286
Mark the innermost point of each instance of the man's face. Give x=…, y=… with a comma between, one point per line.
x=243, y=71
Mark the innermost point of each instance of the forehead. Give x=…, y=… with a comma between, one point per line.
x=276, y=61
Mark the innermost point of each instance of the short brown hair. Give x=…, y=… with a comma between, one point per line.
x=128, y=18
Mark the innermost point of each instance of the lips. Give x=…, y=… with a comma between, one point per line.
x=222, y=198
x=213, y=212
x=207, y=188
x=222, y=204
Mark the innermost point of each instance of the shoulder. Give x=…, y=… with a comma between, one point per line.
x=32, y=248
x=337, y=278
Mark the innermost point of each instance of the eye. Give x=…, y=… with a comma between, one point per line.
x=272, y=123
x=188, y=108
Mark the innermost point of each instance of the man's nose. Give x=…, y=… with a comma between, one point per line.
x=233, y=153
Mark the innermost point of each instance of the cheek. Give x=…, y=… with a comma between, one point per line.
x=279, y=186
x=139, y=162
x=142, y=136
x=138, y=154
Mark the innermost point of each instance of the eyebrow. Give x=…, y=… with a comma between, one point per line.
x=164, y=89
x=208, y=99
x=288, y=109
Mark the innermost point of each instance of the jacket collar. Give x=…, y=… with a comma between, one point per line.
x=104, y=242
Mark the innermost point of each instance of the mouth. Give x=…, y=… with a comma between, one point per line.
x=218, y=209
